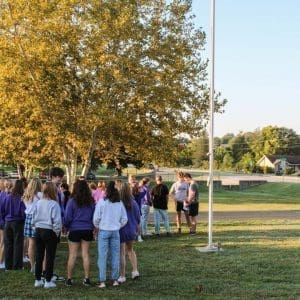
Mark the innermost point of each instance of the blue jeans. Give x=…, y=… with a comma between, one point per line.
x=108, y=240
x=144, y=219
x=163, y=213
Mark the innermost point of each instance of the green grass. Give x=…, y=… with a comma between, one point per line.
x=261, y=260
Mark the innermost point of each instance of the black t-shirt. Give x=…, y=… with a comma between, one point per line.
x=159, y=195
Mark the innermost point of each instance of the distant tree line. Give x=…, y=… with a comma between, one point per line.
x=239, y=152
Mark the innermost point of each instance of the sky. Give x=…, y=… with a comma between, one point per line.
x=257, y=62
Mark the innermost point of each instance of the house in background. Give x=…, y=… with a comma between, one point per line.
x=280, y=163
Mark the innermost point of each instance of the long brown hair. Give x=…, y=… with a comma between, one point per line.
x=126, y=195
x=50, y=191
x=18, y=188
x=112, y=194
x=82, y=194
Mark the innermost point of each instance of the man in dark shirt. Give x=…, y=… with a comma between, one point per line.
x=159, y=195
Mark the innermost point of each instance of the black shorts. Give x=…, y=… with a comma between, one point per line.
x=179, y=206
x=77, y=235
x=194, y=209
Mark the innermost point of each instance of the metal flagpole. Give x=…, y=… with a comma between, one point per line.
x=210, y=247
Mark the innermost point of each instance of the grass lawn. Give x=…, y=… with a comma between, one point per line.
x=259, y=261
x=266, y=197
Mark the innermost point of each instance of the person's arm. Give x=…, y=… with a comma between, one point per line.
x=69, y=213
x=191, y=195
x=56, y=218
x=97, y=215
x=123, y=218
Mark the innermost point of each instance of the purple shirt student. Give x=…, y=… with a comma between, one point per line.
x=13, y=208
x=78, y=218
x=129, y=231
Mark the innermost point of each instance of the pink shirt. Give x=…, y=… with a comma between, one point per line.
x=98, y=195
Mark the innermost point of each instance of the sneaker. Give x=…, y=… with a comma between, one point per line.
x=49, y=285
x=116, y=283
x=102, y=285
x=139, y=238
x=87, y=282
x=38, y=283
x=2, y=265
x=26, y=259
x=135, y=274
x=122, y=279
x=169, y=234
x=57, y=278
x=178, y=230
x=157, y=234
x=69, y=282
x=192, y=232
x=148, y=234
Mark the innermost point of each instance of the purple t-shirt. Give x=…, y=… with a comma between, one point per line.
x=129, y=231
x=78, y=218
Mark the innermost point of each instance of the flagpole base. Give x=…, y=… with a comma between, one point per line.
x=209, y=248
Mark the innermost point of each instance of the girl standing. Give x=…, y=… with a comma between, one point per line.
x=31, y=196
x=47, y=221
x=79, y=223
x=13, y=214
x=128, y=232
x=110, y=215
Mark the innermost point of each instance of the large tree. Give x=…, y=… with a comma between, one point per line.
x=99, y=76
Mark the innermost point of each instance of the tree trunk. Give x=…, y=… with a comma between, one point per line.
x=20, y=170
x=88, y=160
x=70, y=162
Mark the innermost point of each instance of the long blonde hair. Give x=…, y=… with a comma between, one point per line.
x=2, y=186
x=34, y=186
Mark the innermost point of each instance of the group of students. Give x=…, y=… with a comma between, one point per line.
x=114, y=215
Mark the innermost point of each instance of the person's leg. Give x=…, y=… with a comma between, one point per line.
x=143, y=219
x=1, y=246
x=31, y=251
x=103, y=241
x=8, y=246
x=85, y=252
x=165, y=217
x=18, y=245
x=156, y=220
x=39, y=254
x=115, y=254
x=73, y=250
x=146, y=217
x=194, y=209
x=178, y=221
x=188, y=220
x=131, y=255
x=122, y=260
x=50, y=240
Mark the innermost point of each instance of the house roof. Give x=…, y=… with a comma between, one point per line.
x=291, y=159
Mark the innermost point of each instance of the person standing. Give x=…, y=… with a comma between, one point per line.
x=159, y=195
x=179, y=192
x=47, y=221
x=13, y=214
x=109, y=217
x=145, y=205
x=78, y=222
x=192, y=202
x=128, y=232
x=31, y=196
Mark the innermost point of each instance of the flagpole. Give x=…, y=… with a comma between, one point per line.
x=210, y=247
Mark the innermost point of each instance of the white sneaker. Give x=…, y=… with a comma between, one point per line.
x=38, y=283
x=148, y=234
x=2, y=265
x=49, y=284
x=122, y=279
x=140, y=239
x=135, y=274
x=26, y=259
